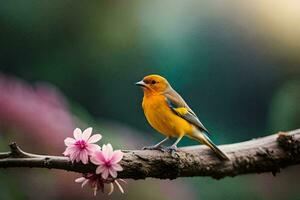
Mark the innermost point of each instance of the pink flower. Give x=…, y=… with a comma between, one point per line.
x=107, y=159
x=96, y=182
x=81, y=146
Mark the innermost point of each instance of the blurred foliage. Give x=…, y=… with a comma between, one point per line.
x=285, y=109
x=236, y=64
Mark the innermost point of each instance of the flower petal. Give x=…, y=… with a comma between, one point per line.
x=66, y=152
x=103, y=147
x=77, y=134
x=117, y=167
x=85, y=182
x=69, y=150
x=84, y=157
x=79, y=180
x=75, y=156
x=104, y=153
x=69, y=141
x=105, y=174
x=122, y=180
x=92, y=148
x=87, y=133
x=94, y=138
x=72, y=157
x=97, y=158
x=111, y=189
x=117, y=156
x=119, y=186
x=109, y=151
x=100, y=169
x=94, y=160
x=112, y=172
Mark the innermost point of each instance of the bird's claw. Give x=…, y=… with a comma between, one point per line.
x=153, y=148
x=172, y=149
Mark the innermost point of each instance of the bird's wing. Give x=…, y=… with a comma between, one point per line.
x=180, y=108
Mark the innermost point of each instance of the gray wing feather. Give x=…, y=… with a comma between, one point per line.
x=174, y=100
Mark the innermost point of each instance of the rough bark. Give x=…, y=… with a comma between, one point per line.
x=267, y=154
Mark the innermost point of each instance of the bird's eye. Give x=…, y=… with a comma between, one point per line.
x=153, y=82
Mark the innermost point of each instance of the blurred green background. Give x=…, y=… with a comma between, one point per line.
x=70, y=63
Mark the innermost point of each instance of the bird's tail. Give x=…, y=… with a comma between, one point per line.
x=202, y=137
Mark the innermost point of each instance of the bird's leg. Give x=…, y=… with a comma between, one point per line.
x=173, y=147
x=157, y=146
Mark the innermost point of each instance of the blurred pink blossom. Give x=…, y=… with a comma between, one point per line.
x=82, y=145
x=96, y=182
x=37, y=113
x=107, y=159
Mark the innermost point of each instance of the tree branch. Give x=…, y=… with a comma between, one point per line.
x=267, y=154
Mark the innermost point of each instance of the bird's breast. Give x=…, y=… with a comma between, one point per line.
x=162, y=118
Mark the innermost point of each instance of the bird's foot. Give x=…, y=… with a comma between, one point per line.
x=155, y=147
x=172, y=149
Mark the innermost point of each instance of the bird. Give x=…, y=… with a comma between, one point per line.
x=168, y=113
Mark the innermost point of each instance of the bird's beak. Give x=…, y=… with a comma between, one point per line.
x=141, y=83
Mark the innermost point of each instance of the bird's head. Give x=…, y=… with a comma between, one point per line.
x=153, y=84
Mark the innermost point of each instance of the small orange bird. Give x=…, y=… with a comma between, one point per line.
x=168, y=113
